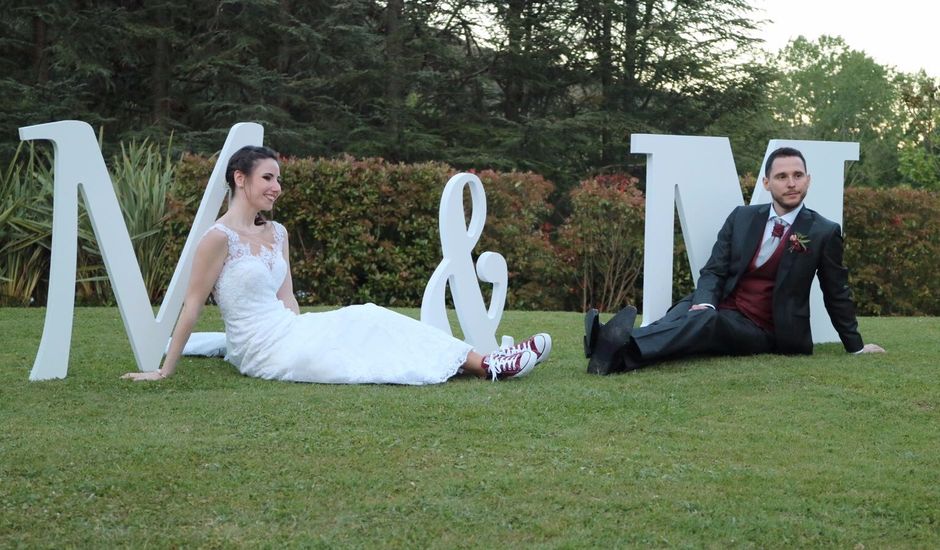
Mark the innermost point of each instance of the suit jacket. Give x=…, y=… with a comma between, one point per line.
x=734, y=249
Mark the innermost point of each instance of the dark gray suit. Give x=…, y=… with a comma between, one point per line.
x=683, y=332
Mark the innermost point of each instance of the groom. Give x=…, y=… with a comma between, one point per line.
x=753, y=294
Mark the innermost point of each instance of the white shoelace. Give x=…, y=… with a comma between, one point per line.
x=499, y=363
x=525, y=345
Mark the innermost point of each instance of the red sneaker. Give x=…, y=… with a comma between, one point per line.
x=501, y=367
x=540, y=345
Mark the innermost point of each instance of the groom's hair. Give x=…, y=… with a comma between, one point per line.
x=782, y=152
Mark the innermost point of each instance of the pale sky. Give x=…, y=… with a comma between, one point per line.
x=900, y=33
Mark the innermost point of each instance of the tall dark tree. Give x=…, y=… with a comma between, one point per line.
x=666, y=66
x=60, y=60
x=555, y=86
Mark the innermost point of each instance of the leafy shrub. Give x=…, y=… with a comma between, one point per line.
x=25, y=226
x=682, y=281
x=602, y=241
x=142, y=175
x=367, y=230
x=892, y=249
x=517, y=226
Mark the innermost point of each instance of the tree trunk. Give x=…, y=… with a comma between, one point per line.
x=394, y=83
x=513, y=88
x=283, y=50
x=161, y=69
x=40, y=57
x=605, y=58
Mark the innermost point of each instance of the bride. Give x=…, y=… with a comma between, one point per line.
x=243, y=260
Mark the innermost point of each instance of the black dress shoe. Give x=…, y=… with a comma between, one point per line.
x=628, y=362
x=625, y=318
x=592, y=326
x=612, y=339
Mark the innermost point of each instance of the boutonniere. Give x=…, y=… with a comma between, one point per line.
x=799, y=243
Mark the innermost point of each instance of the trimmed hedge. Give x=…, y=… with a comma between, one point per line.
x=892, y=248
x=367, y=230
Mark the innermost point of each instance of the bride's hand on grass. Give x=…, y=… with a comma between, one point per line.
x=142, y=376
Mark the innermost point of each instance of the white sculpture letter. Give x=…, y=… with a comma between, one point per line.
x=698, y=175
x=79, y=165
x=477, y=322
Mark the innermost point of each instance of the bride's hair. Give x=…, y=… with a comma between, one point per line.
x=244, y=161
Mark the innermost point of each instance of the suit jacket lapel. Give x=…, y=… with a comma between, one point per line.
x=802, y=225
x=752, y=236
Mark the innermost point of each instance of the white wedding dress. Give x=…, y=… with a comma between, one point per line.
x=360, y=344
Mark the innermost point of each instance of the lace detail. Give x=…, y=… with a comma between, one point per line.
x=267, y=253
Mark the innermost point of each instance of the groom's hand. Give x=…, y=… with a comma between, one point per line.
x=871, y=348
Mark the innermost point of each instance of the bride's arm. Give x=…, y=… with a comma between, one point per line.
x=210, y=257
x=286, y=293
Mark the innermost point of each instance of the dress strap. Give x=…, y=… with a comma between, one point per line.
x=233, y=240
x=232, y=235
x=279, y=234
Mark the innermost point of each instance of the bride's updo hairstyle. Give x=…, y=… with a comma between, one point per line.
x=244, y=161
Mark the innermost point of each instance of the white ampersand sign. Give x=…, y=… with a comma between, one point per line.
x=478, y=322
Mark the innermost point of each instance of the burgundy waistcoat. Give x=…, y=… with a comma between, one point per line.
x=754, y=294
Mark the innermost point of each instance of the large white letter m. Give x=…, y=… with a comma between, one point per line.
x=80, y=165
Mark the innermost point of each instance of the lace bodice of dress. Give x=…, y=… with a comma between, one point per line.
x=248, y=284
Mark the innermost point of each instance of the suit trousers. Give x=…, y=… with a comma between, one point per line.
x=683, y=332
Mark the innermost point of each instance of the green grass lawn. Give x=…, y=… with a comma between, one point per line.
x=766, y=451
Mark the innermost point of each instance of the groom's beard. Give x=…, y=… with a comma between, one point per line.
x=787, y=201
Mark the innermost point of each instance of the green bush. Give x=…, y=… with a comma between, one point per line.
x=142, y=175
x=367, y=230
x=517, y=226
x=25, y=226
x=602, y=241
x=892, y=249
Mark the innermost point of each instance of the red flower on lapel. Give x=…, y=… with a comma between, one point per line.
x=799, y=243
